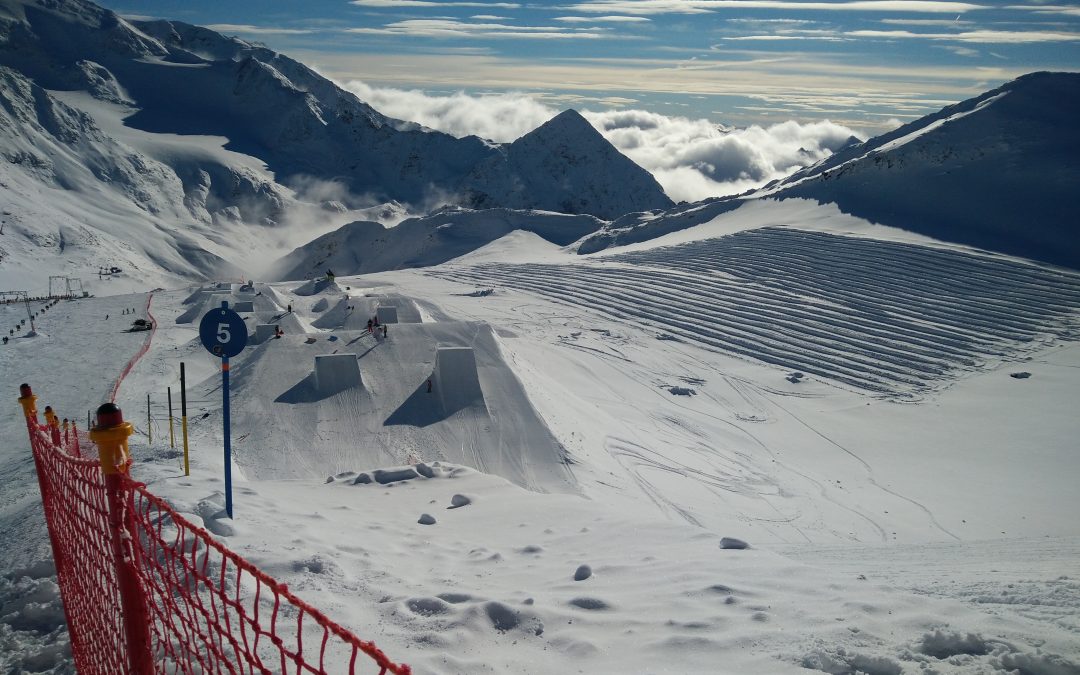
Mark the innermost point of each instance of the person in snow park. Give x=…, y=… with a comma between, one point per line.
x=106, y=317
x=376, y=317
x=290, y=309
x=369, y=325
x=278, y=332
x=5, y=339
x=384, y=330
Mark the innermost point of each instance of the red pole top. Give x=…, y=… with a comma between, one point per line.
x=24, y=390
x=109, y=415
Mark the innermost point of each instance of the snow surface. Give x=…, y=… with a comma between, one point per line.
x=923, y=526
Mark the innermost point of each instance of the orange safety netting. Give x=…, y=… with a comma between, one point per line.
x=146, y=591
x=139, y=354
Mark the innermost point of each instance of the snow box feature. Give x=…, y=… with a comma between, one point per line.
x=386, y=313
x=335, y=372
x=456, y=379
x=243, y=306
x=264, y=331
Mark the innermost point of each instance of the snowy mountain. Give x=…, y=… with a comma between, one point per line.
x=191, y=80
x=560, y=160
x=170, y=151
x=998, y=171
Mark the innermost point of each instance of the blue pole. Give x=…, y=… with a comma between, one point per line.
x=225, y=422
x=228, y=444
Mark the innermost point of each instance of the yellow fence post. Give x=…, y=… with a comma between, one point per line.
x=111, y=434
x=29, y=403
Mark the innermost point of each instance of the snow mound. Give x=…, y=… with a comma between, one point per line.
x=320, y=286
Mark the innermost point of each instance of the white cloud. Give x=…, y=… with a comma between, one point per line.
x=694, y=158
x=747, y=38
x=608, y=19
x=407, y=4
x=702, y=6
x=928, y=22
x=1048, y=9
x=691, y=158
x=451, y=28
x=247, y=29
x=498, y=117
x=966, y=52
x=978, y=36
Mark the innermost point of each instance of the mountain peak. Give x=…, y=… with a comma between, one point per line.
x=567, y=124
x=571, y=163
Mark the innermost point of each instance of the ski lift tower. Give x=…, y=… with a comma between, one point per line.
x=66, y=285
x=26, y=301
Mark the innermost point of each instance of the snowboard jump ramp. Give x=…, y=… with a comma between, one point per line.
x=335, y=372
x=386, y=314
x=264, y=331
x=456, y=379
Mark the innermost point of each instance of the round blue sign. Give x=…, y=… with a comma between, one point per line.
x=223, y=332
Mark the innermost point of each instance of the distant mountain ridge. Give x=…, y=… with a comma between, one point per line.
x=998, y=171
x=190, y=80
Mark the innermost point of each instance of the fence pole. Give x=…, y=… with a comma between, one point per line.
x=228, y=441
x=63, y=573
x=149, y=434
x=172, y=436
x=111, y=434
x=29, y=405
x=183, y=417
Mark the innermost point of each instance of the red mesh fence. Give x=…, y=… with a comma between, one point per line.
x=146, y=591
x=77, y=514
x=139, y=354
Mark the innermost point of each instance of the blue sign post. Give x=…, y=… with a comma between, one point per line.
x=224, y=334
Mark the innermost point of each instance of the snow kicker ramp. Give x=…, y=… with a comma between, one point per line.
x=204, y=299
x=340, y=316
x=889, y=318
x=286, y=426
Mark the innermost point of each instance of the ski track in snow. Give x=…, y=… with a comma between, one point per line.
x=892, y=319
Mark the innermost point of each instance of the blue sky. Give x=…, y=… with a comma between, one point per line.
x=860, y=63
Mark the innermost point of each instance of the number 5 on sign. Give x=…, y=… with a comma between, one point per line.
x=224, y=334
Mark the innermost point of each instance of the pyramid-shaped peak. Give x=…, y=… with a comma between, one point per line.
x=567, y=123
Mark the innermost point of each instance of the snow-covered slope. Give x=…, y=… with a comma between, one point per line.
x=907, y=503
x=77, y=199
x=364, y=246
x=998, y=171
